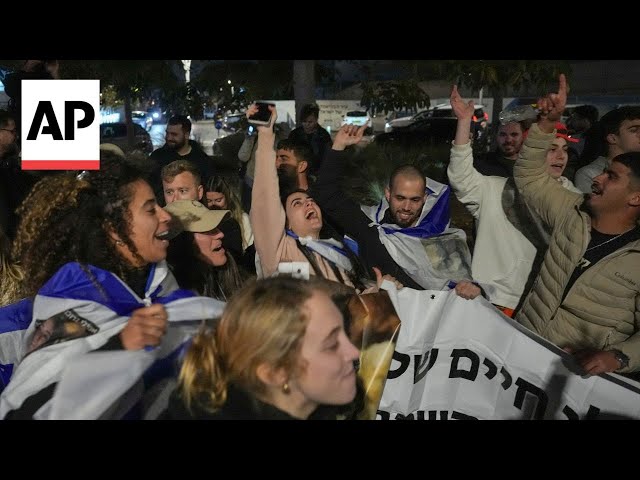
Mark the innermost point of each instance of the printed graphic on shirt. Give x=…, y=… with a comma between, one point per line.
x=60, y=328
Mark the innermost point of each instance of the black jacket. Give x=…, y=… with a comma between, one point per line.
x=240, y=405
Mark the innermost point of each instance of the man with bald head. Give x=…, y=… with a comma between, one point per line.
x=396, y=235
x=406, y=194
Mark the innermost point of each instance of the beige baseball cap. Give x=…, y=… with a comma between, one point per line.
x=110, y=147
x=193, y=216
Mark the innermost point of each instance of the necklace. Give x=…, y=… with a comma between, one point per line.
x=610, y=240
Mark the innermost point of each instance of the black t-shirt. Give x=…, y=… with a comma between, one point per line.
x=494, y=164
x=600, y=245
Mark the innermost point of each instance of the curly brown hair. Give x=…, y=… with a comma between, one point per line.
x=65, y=219
x=11, y=275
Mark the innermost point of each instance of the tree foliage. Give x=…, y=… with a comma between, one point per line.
x=498, y=76
x=393, y=95
x=125, y=81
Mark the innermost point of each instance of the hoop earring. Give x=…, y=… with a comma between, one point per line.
x=285, y=388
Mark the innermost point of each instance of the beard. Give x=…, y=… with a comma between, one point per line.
x=404, y=223
x=287, y=178
x=177, y=145
x=586, y=205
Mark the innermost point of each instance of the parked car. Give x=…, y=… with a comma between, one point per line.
x=425, y=132
x=359, y=118
x=116, y=133
x=142, y=118
x=480, y=117
x=403, y=121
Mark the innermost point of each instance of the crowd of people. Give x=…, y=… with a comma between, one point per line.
x=126, y=242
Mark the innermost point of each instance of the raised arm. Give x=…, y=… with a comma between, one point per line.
x=544, y=194
x=464, y=179
x=326, y=190
x=267, y=215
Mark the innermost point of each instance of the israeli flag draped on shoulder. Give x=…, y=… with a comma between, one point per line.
x=14, y=321
x=76, y=312
x=431, y=253
x=329, y=249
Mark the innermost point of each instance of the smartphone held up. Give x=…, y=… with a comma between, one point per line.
x=263, y=115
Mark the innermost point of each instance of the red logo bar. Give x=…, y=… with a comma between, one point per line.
x=60, y=164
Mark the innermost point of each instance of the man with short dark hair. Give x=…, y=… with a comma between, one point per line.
x=499, y=163
x=178, y=147
x=586, y=298
x=619, y=132
x=292, y=162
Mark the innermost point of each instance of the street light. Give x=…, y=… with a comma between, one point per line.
x=229, y=82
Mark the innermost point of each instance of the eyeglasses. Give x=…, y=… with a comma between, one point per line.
x=14, y=131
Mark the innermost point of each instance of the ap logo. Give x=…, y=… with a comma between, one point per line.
x=60, y=124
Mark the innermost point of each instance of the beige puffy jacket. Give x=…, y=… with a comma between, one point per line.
x=602, y=308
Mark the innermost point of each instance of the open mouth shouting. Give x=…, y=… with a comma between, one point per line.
x=557, y=167
x=164, y=236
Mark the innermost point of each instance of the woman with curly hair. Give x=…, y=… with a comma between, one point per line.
x=279, y=352
x=11, y=275
x=92, y=248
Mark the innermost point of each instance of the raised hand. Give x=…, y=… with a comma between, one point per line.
x=595, y=362
x=145, y=328
x=463, y=110
x=552, y=105
x=348, y=135
x=253, y=109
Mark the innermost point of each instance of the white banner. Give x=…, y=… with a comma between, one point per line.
x=463, y=359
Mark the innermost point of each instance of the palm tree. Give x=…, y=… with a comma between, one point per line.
x=304, y=84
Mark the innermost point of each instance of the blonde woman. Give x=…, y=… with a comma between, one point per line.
x=279, y=352
x=220, y=194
